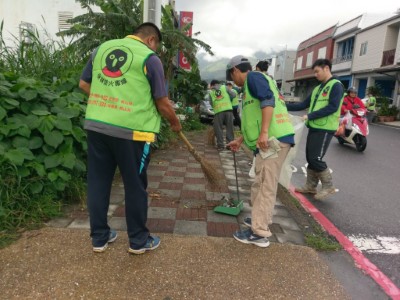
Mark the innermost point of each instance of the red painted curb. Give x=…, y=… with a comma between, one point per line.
x=361, y=261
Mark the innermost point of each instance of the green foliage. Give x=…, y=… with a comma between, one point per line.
x=385, y=109
x=188, y=87
x=192, y=123
x=45, y=60
x=174, y=40
x=117, y=20
x=164, y=136
x=42, y=147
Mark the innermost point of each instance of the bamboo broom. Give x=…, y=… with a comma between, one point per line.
x=213, y=177
x=211, y=136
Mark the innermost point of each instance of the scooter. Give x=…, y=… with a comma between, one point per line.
x=356, y=134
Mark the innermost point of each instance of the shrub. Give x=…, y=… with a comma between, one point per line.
x=42, y=145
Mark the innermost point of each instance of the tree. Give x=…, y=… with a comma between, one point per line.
x=175, y=40
x=117, y=20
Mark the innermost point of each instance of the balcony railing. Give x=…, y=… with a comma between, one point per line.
x=343, y=58
x=388, y=57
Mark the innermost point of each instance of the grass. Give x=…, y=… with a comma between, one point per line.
x=315, y=236
x=320, y=240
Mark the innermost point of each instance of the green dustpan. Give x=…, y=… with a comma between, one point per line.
x=234, y=207
x=233, y=210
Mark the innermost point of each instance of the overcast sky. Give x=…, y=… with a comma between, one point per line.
x=234, y=27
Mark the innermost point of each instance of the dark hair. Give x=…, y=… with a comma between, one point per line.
x=322, y=62
x=229, y=83
x=262, y=65
x=214, y=82
x=147, y=29
x=243, y=68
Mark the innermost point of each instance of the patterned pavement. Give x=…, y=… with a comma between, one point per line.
x=181, y=201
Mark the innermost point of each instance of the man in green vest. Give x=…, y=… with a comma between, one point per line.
x=235, y=105
x=322, y=119
x=124, y=80
x=371, y=106
x=268, y=132
x=221, y=100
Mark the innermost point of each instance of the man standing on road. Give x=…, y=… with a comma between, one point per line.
x=125, y=83
x=235, y=105
x=221, y=101
x=266, y=130
x=371, y=106
x=322, y=120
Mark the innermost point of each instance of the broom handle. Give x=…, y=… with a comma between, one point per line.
x=185, y=140
x=237, y=184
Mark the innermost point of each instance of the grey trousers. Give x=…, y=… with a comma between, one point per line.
x=221, y=119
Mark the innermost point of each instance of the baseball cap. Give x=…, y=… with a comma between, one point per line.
x=234, y=62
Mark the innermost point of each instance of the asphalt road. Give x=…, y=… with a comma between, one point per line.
x=367, y=207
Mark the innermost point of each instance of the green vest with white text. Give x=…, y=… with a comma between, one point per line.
x=320, y=99
x=280, y=125
x=120, y=93
x=221, y=101
x=371, y=103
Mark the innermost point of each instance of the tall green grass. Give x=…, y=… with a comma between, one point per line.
x=42, y=58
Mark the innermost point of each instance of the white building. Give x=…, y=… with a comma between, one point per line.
x=49, y=17
x=46, y=16
x=284, y=69
x=376, y=59
x=343, y=50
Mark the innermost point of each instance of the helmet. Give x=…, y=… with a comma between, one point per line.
x=352, y=89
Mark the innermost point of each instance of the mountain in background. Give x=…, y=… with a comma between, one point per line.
x=216, y=69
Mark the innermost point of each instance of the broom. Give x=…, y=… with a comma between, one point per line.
x=211, y=136
x=209, y=171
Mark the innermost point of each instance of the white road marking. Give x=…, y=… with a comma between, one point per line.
x=377, y=244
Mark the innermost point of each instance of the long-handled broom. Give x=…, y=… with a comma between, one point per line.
x=209, y=171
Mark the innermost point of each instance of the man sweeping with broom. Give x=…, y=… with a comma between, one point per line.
x=267, y=131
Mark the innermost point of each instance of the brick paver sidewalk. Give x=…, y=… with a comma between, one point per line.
x=181, y=201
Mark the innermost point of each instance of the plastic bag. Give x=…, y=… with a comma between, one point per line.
x=252, y=172
x=348, y=120
x=286, y=172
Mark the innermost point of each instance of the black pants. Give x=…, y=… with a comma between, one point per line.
x=317, y=144
x=105, y=153
x=236, y=117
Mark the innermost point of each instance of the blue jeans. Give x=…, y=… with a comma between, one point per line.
x=105, y=153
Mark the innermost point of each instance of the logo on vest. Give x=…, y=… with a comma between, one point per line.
x=325, y=91
x=218, y=94
x=116, y=61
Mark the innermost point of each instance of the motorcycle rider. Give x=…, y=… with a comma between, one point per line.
x=351, y=101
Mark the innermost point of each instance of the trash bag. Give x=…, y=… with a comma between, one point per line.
x=252, y=172
x=286, y=172
x=347, y=120
x=341, y=129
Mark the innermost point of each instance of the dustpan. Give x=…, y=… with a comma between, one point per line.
x=231, y=207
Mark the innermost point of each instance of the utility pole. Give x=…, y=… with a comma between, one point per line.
x=283, y=69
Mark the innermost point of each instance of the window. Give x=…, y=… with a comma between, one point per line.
x=322, y=52
x=363, y=49
x=309, y=59
x=345, y=50
x=299, y=62
x=63, y=17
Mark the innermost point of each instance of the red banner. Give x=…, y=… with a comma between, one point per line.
x=185, y=17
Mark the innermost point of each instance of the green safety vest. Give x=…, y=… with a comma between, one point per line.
x=120, y=93
x=280, y=125
x=235, y=101
x=221, y=101
x=371, y=103
x=320, y=99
